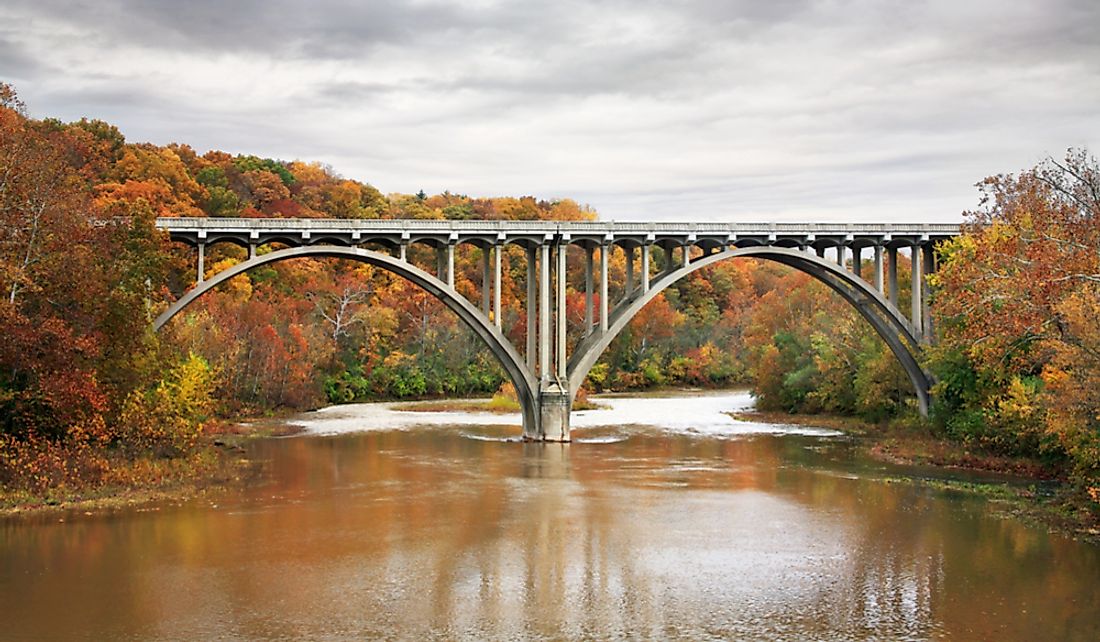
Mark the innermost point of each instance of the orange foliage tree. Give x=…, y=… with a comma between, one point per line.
x=1017, y=300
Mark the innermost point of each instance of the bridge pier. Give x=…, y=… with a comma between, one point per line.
x=555, y=403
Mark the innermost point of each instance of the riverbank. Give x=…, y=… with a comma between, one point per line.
x=216, y=464
x=1039, y=492
x=495, y=405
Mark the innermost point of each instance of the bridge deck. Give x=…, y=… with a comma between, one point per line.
x=257, y=231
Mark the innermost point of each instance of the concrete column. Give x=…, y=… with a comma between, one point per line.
x=687, y=255
x=560, y=357
x=917, y=299
x=820, y=251
x=927, y=263
x=629, y=253
x=589, y=304
x=604, y=250
x=544, y=312
x=451, y=265
x=202, y=263
x=486, y=291
x=878, y=269
x=892, y=274
x=840, y=255
x=251, y=251
x=857, y=261
x=532, y=331
x=554, y=404
x=403, y=251
x=645, y=268
x=440, y=265
x=497, y=249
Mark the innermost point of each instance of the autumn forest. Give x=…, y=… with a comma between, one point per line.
x=90, y=397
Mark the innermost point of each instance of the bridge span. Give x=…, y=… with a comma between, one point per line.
x=546, y=378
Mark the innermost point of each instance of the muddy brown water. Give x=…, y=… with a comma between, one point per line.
x=681, y=524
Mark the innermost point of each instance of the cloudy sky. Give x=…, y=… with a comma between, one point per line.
x=734, y=110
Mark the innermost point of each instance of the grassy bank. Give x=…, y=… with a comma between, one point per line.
x=499, y=403
x=911, y=442
x=1049, y=501
x=216, y=463
x=495, y=405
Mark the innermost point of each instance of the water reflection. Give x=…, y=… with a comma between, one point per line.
x=425, y=533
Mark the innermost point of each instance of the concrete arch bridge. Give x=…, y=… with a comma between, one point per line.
x=545, y=375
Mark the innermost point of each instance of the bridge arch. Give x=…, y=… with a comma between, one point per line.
x=886, y=320
x=498, y=344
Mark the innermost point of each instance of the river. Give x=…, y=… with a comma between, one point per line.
x=664, y=519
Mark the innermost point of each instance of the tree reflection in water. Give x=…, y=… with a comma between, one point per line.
x=420, y=533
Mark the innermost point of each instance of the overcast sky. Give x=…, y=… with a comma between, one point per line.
x=735, y=110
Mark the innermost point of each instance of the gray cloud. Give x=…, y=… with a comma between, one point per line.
x=277, y=28
x=646, y=109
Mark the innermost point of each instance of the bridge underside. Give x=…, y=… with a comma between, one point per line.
x=545, y=377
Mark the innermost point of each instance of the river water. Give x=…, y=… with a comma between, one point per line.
x=665, y=519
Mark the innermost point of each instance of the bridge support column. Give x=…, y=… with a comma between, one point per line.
x=820, y=251
x=403, y=251
x=486, y=290
x=251, y=251
x=916, y=296
x=878, y=268
x=554, y=406
x=559, y=358
x=496, y=283
x=927, y=263
x=857, y=261
x=451, y=265
x=544, y=312
x=645, y=268
x=603, y=286
x=687, y=254
x=202, y=263
x=589, y=307
x=628, y=253
x=892, y=274
x=532, y=303
x=841, y=255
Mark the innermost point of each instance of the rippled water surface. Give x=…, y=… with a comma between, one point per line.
x=666, y=519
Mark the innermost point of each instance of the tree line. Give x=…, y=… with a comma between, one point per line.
x=86, y=388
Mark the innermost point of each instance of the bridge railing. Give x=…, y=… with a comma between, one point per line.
x=552, y=227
